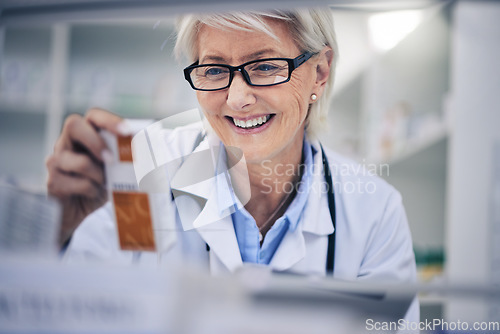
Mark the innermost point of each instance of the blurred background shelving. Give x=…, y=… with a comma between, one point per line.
x=392, y=115
x=412, y=103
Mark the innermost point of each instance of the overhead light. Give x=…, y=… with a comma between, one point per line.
x=388, y=29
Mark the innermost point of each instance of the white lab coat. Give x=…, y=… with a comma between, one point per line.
x=373, y=240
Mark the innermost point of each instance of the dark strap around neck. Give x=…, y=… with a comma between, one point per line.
x=330, y=258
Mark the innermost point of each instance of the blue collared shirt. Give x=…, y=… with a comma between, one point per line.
x=247, y=232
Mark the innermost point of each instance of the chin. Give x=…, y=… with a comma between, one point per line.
x=253, y=156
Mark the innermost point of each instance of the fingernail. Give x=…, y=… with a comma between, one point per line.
x=124, y=129
x=107, y=156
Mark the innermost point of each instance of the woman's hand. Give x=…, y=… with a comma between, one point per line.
x=76, y=168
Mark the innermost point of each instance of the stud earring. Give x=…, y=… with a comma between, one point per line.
x=314, y=97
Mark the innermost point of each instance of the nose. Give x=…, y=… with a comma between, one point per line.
x=240, y=95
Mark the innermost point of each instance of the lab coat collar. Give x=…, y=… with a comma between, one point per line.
x=217, y=230
x=219, y=234
x=317, y=218
x=292, y=254
x=227, y=200
x=214, y=225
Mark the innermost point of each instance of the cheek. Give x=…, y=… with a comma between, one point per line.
x=211, y=107
x=209, y=102
x=298, y=101
x=203, y=100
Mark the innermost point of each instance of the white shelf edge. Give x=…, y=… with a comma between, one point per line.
x=413, y=147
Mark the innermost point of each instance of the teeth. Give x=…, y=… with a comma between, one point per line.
x=252, y=122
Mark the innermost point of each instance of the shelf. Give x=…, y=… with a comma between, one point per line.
x=419, y=145
x=24, y=105
x=428, y=300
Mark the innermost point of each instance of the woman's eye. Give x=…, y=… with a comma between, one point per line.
x=215, y=71
x=265, y=67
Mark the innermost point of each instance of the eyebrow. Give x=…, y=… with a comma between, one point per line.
x=249, y=57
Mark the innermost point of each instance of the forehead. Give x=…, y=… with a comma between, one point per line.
x=236, y=44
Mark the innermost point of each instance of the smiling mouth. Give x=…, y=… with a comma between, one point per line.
x=251, y=123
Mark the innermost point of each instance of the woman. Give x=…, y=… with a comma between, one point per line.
x=263, y=82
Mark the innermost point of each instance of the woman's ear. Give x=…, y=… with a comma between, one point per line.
x=323, y=66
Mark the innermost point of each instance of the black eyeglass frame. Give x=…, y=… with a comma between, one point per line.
x=292, y=65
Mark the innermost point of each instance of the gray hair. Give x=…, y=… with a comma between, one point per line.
x=311, y=29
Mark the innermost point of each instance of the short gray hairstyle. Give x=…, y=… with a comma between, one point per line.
x=311, y=29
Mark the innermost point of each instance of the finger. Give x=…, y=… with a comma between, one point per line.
x=103, y=119
x=83, y=137
x=64, y=141
x=63, y=185
x=61, y=144
x=78, y=163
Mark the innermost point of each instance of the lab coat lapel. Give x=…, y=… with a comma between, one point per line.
x=291, y=250
x=304, y=250
x=317, y=218
x=218, y=234
x=202, y=212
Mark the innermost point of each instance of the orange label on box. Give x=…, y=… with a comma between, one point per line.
x=133, y=217
x=125, y=148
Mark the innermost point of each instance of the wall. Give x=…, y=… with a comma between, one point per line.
x=476, y=118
